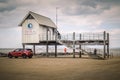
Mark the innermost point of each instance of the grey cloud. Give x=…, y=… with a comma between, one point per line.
x=110, y=1
x=6, y=5
x=9, y=5
x=87, y=7
x=83, y=10
x=2, y=1
x=91, y=3
x=7, y=8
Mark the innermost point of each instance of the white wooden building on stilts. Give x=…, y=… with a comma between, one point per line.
x=38, y=30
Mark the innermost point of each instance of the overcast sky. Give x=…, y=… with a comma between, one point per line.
x=73, y=15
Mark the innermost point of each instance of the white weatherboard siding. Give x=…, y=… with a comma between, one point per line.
x=30, y=35
x=36, y=32
x=51, y=35
x=43, y=33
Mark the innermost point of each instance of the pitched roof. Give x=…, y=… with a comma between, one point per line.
x=42, y=20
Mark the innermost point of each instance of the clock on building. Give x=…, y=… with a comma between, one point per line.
x=30, y=25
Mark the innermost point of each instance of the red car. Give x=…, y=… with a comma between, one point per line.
x=21, y=53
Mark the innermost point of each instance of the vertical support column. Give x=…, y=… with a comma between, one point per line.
x=80, y=54
x=73, y=44
x=47, y=42
x=56, y=35
x=104, y=38
x=34, y=49
x=47, y=50
x=55, y=49
x=23, y=46
x=107, y=45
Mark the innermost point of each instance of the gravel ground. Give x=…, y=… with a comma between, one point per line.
x=59, y=69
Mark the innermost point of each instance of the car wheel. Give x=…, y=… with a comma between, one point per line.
x=30, y=56
x=10, y=56
x=24, y=56
x=16, y=56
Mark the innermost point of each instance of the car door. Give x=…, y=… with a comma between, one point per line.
x=19, y=52
x=15, y=52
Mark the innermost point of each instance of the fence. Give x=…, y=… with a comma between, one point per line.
x=83, y=36
x=6, y=50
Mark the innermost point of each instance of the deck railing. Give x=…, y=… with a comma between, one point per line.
x=82, y=36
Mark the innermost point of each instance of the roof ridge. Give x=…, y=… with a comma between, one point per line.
x=38, y=14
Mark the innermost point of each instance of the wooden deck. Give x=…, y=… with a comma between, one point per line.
x=86, y=42
x=71, y=42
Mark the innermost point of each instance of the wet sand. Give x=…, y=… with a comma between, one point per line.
x=59, y=69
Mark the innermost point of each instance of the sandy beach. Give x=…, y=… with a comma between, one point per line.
x=59, y=69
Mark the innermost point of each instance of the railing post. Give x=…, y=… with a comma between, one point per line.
x=47, y=42
x=23, y=46
x=107, y=45
x=56, y=43
x=80, y=48
x=34, y=49
x=104, y=41
x=73, y=44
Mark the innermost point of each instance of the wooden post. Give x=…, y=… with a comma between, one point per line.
x=55, y=49
x=34, y=49
x=104, y=38
x=47, y=50
x=23, y=46
x=56, y=43
x=47, y=42
x=73, y=44
x=107, y=45
x=80, y=48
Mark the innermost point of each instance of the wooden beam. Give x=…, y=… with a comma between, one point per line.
x=56, y=36
x=47, y=42
x=56, y=49
x=73, y=44
x=108, y=45
x=34, y=49
x=104, y=49
x=80, y=54
x=23, y=46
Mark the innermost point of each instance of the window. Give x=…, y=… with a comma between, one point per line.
x=53, y=31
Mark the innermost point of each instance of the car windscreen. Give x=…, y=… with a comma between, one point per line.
x=29, y=50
